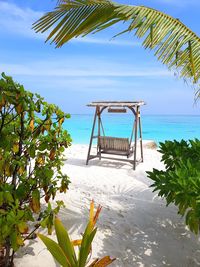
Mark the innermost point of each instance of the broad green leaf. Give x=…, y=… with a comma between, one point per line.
x=86, y=246
x=65, y=242
x=55, y=250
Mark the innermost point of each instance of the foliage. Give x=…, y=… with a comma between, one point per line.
x=174, y=43
x=180, y=182
x=32, y=142
x=64, y=251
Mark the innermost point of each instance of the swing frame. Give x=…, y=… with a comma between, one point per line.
x=115, y=145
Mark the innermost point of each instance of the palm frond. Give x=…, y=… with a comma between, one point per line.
x=175, y=45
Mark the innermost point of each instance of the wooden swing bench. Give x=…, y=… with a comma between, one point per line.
x=116, y=146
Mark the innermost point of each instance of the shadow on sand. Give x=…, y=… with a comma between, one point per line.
x=143, y=232
x=134, y=226
x=100, y=163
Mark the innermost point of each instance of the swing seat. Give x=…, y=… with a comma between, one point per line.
x=115, y=146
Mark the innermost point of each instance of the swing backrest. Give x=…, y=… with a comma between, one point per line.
x=114, y=143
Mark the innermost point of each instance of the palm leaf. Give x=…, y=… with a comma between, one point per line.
x=175, y=45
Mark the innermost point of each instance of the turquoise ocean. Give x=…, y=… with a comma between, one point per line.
x=154, y=127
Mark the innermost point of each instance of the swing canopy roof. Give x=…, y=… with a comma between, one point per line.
x=116, y=103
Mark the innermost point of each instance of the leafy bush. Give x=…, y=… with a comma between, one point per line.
x=180, y=182
x=64, y=251
x=32, y=142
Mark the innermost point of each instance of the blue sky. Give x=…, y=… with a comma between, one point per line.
x=94, y=67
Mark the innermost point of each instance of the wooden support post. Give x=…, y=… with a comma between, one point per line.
x=140, y=130
x=136, y=130
x=91, y=137
x=131, y=138
x=99, y=132
x=102, y=126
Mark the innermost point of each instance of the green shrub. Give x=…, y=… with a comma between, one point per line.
x=64, y=252
x=180, y=182
x=32, y=142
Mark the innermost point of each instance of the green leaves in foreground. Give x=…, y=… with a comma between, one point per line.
x=64, y=252
x=180, y=182
x=32, y=142
x=174, y=44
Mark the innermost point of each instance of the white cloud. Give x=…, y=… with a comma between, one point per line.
x=81, y=67
x=15, y=20
x=83, y=85
x=18, y=21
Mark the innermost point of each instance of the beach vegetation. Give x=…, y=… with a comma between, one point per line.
x=173, y=43
x=32, y=142
x=179, y=183
x=64, y=251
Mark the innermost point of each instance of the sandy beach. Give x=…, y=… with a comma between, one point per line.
x=135, y=227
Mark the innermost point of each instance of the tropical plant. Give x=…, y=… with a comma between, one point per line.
x=180, y=182
x=64, y=252
x=32, y=142
x=174, y=44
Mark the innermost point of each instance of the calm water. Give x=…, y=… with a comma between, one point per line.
x=156, y=127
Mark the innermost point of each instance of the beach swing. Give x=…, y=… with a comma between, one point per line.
x=116, y=145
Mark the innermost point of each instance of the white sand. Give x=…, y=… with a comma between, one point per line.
x=134, y=226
